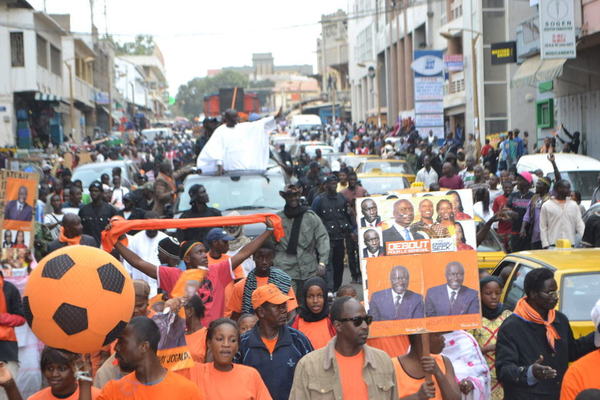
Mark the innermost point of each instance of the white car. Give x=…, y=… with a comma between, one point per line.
x=581, y=171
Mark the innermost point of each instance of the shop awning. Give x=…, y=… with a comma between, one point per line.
x=535, y=70
x=46, y=97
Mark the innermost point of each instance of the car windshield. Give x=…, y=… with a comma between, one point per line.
x=383, y=184
x=311, y=150
x=579, y=293
x=89, y=175
x=246, y=192
x=388, y=167
x=490, y=243
x=581, y=181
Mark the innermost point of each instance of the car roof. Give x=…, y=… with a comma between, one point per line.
x=380, y=175
x=564, y=162
x=564, y=260
x=93, y=165
x=374, y=160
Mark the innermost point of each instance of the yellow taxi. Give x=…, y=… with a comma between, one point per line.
x=490, y=251
x=388, y=167
x=577, y=273
x=382, y=183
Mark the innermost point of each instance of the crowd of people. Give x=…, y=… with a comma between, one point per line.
x=275, y=319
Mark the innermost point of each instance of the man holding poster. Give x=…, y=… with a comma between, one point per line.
x=452, y=298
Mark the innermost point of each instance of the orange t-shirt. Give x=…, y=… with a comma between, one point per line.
x=46, y=394
x=270, y=343
x=235, y=302
x=581, y=375
x=173, y=386
x=408, y=385
x=316, y=332
x=242, y=382
x=351, y=376
x=196, y=342
x=394, y=346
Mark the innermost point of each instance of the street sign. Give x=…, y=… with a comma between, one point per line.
x=557, y=29
x=504, y=53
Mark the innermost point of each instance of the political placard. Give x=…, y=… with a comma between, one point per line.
x=418, y=254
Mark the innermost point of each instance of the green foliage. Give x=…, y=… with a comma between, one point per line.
x=142, y=45
x=190, y=97
x=264, y=84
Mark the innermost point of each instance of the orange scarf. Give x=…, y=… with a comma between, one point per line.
x=525, y=311
x=69, y=241
x=121, y=226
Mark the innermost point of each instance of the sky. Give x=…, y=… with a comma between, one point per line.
x=197, y=35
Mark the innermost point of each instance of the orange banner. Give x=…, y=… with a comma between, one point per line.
x=175, y=358
x=120, y=227
x=408, y=247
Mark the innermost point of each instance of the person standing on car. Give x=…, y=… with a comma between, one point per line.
x=304, y=250
x=199, y=209
x=334, y=211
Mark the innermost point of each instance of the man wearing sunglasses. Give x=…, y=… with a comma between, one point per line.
x=346, y=368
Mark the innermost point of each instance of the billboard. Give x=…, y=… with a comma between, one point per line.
x=428, y=68
x=557, y=29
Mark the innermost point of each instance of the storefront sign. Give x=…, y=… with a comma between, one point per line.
x=428, y=67
x=557, y=29
x=454, y=62
x=504, y=53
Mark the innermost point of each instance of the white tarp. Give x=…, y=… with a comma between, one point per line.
x=243, y=147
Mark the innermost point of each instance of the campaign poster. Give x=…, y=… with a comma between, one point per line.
x=418, y=252
x=18, y=196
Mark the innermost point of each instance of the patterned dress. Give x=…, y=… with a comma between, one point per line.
x=486, y=335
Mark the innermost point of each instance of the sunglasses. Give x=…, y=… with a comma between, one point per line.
x=357, y=321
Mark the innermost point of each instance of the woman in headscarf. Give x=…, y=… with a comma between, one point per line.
x=313, y=319
x=470, y=366
x=494, y=314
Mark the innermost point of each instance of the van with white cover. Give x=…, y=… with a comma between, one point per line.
x=152, y=134
x=582, y=171
x=306, y=122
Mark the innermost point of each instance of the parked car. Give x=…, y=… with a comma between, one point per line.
x=581, y=171
x=245, y=192
x=577, y=273
x=91, y=172
x=152, y=134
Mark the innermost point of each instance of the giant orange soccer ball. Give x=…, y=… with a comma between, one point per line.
x=78, y=298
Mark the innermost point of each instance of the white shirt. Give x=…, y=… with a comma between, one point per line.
x=147, y=249
x=560, y=221
x=450, y=290
x=53, y=218
x=395, y=297
x=243, y=147
x=427, y=177
x=485, y=215
x=402, y=231
x=117, y=197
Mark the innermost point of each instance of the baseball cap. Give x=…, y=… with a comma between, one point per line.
x=595, y=321
x=97, y=185
x=527, y=176
x=331, y=178
x=218, y=234
x=268, y=293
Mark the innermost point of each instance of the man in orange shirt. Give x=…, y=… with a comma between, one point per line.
x=263, y=273
x=136, y=350
x=583, y=373
x=346, y=368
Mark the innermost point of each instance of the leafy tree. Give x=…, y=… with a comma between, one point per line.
x=190, y=97
x=142, y=45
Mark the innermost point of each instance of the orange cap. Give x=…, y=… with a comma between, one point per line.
x=268, y=293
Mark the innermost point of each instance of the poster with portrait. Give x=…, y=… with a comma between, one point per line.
x=18, y=197
x=418, y=252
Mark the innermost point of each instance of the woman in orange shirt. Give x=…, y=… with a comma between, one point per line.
x=412, y=367
x=222, y=379
x=58, y=369
x=313, y=319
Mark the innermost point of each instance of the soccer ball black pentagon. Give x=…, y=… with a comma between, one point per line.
x=78, y=298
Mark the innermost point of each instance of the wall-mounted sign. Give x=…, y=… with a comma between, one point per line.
x=429, y=92
x=504, y=53
x=557, y=29
x=454, y=62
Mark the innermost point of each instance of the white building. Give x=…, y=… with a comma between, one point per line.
x=130, y=83
x=31, y=75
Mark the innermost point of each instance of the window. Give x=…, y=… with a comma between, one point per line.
x=516, y=288
x=494, y=29
x=495, y=99
x=42, y=51
x=55, y=61
x=17, y=52
x=545, y=113
x=578, y=295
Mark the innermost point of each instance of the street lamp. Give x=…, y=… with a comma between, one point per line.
x=474, y=36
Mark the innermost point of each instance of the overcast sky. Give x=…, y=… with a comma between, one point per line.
x=197, y=35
